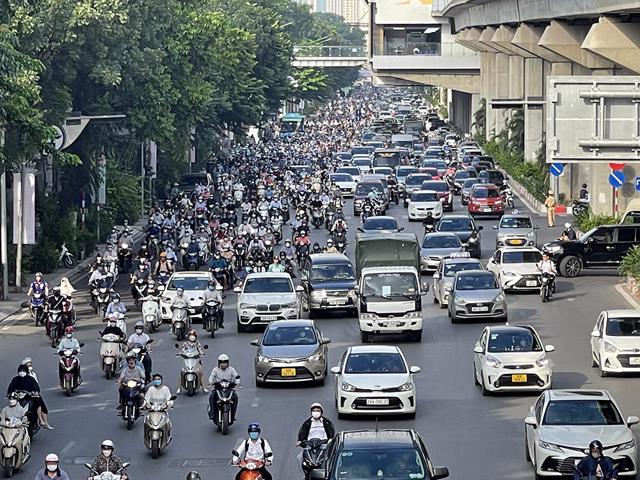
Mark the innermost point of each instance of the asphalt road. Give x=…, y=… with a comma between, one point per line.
x=477, y=437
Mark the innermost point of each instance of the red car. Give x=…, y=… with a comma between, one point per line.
x=431, y=171
x=485, y=199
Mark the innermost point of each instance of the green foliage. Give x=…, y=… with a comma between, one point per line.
x=588, y=221
x=630, y=265
x=123, y=193
x=480, y=121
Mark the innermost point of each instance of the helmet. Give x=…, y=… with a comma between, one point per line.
x=38, y=274
x=567, y=225
x=115, y=296
x=107, y=444
x=329, y=242
x=584, y=185
x=139, y=324
x=132, y=355
x=595, y=445
x=56, y=291
x=193, y=476
x=163, y=254
x=68, y=329
x=51, y=457
x=192, y=332
x=26, y=360
x=223, y=357
x=316, y=405
x=180, y=290
x=254, y=427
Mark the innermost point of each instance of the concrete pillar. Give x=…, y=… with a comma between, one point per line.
x=500, y=90
x=616, y=41
x=516, y=77
x=533, y=115
x=476, y=100
x=488, y=67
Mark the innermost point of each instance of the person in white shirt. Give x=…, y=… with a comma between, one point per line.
x=157, y=393
x=546, y=265
x=254, y=448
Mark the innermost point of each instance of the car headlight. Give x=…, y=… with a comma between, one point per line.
x=499, y=298
x=531, y=234
x=406, y=387
x=368, y=316
x=423, y=257
x=263, y=359
x=610, y=347
x=509, y=274
x=249, y=306
x=315, y=357
x=319, y=294
x=549, y=446
x=290, y=305
x=448, y=286
x=493, y=362
x=460, y=301
x=347, y=387
x=352, y=292
x=542, y=361
x=473, y=239
x=553, y=248
x=625, y=446
x=414, y=315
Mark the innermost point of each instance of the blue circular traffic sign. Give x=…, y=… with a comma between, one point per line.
x=556, y=169
x=616, y=179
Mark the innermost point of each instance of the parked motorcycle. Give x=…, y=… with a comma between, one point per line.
x=189, y=380
x=130, y=408
x=54, y=326
x=157, y=428
x=151, y=313
x=313, y=455
x=579, y=208
x=106, y=475
x=223, y=417
x=15, y=446
x=66, y=258
x=111, y=352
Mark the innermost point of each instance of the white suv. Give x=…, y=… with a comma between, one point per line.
x=615, y=342
x=265, y=297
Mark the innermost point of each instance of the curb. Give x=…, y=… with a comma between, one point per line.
x=624, y=292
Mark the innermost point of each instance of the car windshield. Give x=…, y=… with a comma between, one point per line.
x=387, y=285
x=582, y=412
x=403, y=172
x=380, y=224
x=515, y=222
x=193, y=179
x=521, y=257
x=368, y=187
x=623, y=327
x=277, y=335
x=470, y=182
x=450, y=269
x=485, y=281
x=438, y=165
x=455, y=224
x=387, y=463
x=441, y=241
x=463, y=174
x=341, y=177
x=350, y=171
x=189, y=283
x=359, y=150
x=492, y=175
x=424, y=197
x=435, y=186
x=375, y=362
x=330, y=272
x=520, y=340
x=485, y=193
x=362, y=162
x=268, y=285
x=417, y=179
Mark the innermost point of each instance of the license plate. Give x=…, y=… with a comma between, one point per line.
x=268, y=318
x=486, y=209
x=339, y=301
x=516, y=242
x=519, y=378
x=288, y=372
x=377, y=401
x=479, y=309
x=634, y=360
x=532, y=283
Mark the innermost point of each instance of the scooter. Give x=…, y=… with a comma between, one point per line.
x=15, y=446
x=102, y=296
x=26, y=399
x=54, y=326
x=120, y=322
x=189, y=380
x=313, y=455
x=37, y=307
x=106, y=475
x=66, y=258
x=151, y=313
x=317, y=217
x=111, y=351
x=139, y=290
x=545, y=287
x=250, y=468
x=141, y=353
x=211, y=317
x=157, y=428
x=125, y=255
x=163, y=278
x=579, y=208
x=130, y=408
x=223, y=418
x=69, y=370
x=180, y=320
x=508, y=197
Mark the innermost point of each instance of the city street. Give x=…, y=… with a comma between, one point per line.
x=477, y=437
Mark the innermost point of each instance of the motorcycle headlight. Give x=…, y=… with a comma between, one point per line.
x=549, y=446
x=493, y=362
x=473, y=239
x=625, y=446
x=460, y=301
x=542, y=361
x=124, y=245
x=347, y=387
x=610, y=347
x=248, y=306
x=406, y=387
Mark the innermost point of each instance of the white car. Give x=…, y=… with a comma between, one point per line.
x=511, y=358
x=423, y=201
x=344, y=182
x=615, y=342
x=363, y=162
x=375, y=380
x=562, y=423
x=194, y=285
x=265, y=297
x=355, y=172
x=516, y=268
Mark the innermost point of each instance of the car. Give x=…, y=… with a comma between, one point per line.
x=516, y=268
x=379, y=453
x=476, y=294
x=345, y=183
x=516, y=230
x=375, y=380
x=329, y=283
x=423, y=201
x=561, y=424
x=435, y=247
x=188, y=181
x=402, y=172
x=344, y=157
x=468, y=232
x=363, y=162
x=386, y=171
x=443, y=190
x=485, y=199
x=362, y=193
x=430, y=171
x=355, y=172
x=301, y=170
x=265, y=297
x=615, y=342
x=511, y=358
x=493, y=176
x=194, y=285
x=291, y=351
x=412, y=183
x=362, y=150
x=440, y=165
x=443, y=276
x=602, y=246
x=459, y=177
x=466, y=190
x=380, y=224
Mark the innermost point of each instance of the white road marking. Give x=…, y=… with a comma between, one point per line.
x=256, y=402
x=67, y=448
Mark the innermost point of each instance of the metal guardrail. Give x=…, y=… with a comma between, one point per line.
x=328, y=51
x=443, y=49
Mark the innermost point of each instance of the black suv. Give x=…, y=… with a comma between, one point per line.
x=389, y=454
x=329, y=283
x=468, y=232
x=603, y=246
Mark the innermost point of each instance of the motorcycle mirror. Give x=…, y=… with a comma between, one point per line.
x=219, y=288
x=268, y=455
x=88, y=465
x=495, y=227
x=150, y=341
x=82, y=345
x=206, y=347
x=125, y=465
x=360, y=230
x=234, y=453
x=173, y=397
x=255, y=343
x=177, y=346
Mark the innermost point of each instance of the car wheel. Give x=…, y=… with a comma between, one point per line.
x=435, y=299
x=443, y=305
x=475, y=375
x=416, y=336
x=594, y=363
x=603, y=373
x=526, y=447
x=570, y=266
x=320, y=383
x=240, y=327
x=485, y=392
x=259, y=384
x=311, y=313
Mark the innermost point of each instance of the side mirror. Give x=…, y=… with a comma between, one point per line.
x=425, y=287
x=479, y=227
x=335, y=370
x=632, y=420
x=81, y=345
x=360, y=230
x=268, y=455
x=255, y=343
x=206, y=347
x=234, y=453
x=237, y=290
x=89, y=466
x=176, y=345
x=400, y=229
x=325, y=341
x=125, y=464
x=219, y=288
x=531, y=421
x=549, y=348
x=440, y=472
x=478, y=349
x=537, y=227
x=495, y=227
x=414, y=369
x=299, y=288
x=595, y=334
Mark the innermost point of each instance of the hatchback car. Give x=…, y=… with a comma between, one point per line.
x=355, y=172
x=344, y=182
x=380, y=224
x=435, y=247
x=412, y=183
x=375, y=380
x=465, y=227
x=615, y=342
x=194, y=285
x=423, y=201
x=516, y=230
x=446, y=271
x=459, y=177
x=442, y=189
x=561, y=424
x=402, y=172
x=291, y=351
x=485, y=199
x=516, y=268
x=363, y=162
x=476, y=294
x=511, y=358
x=466, y=190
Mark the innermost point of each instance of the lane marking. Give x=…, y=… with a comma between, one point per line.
x=256, y=402
x=67, y=448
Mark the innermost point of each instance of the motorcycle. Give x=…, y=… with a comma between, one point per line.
x=163, y=278
x=329, y=219
x=141, y=352
x=66, y=258
x=192, y=261
x=125, y=255
x=367, y=211
x=507, y=193
x=111, y=351
x=157, y=428
x=250, y=469
x=302, y=252
x=106, y=475
x=130, y=408
x=68, y=312
x=36, y=307
x=26, y=399
x=429, y=228
x=223, y=418
x=240, y=254
x=69, y=370
x=340, y=240
x=313, y=455
x=139, y=290
x=15, y=446
x=579, y=208
x=151, y=313
x=180, y=320
x=54, y=326
x=317, y=217
x=102, y=296
x=212, y=317
x=545, y=287
x=188, y=371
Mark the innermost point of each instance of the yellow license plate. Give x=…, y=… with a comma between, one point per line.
x=516, y=242
x=291, y=372
x=518, y=378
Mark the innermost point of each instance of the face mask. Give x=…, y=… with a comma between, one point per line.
x=596, y=454
x=52, y=468
x=30, y=368
x=211, y=287
x=315, y=414
x=156, y=383
x=192, y=338
x=13, y=402
x=68, y=335
x=138, y=331
x=22, y=374
x=254, y=435
x=106, y=453
x=116, y=300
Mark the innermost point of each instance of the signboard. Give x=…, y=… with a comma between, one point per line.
x=593, y=119
x=556, y=169
x=616, y=166
x=637, y=184
x=404, y=12
x=616, y=179
x=60, y=139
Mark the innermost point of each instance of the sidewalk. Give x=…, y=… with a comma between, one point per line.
x=623, y=290
x=76, y=276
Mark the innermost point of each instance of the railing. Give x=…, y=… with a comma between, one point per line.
x=446, y=49
x=324, y=51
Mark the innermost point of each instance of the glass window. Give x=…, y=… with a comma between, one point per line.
x=415, y=180
x=189, y=283
x=603, y=235
x=626, y=234
x=373, y=223
x=455, y=224
x=328, y=272
x=485, y=193
x=515, y=222
x=623, y=327
x=268, y=285
x=435, y=186
x=277, y=335
x=387, y=285
x=450, y=269
x=582, y=412
x=521, y=340
x=387, y=463
x=341, y=177
x=424, y=197
x=521, y=257
x=368, y=187
x=376, y=362
x=441, y=241
x=477, y=282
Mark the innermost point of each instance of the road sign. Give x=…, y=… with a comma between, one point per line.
x=638, y=184
x=616, y=166
x=556, y=169
x=60, y=138
x=616, y=179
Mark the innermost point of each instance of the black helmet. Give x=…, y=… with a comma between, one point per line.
x=595, y=445
x=193, y=476
x=584, y=185
x=254, y=427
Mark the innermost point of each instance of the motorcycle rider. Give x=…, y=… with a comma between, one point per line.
x=568, y=233
x=429, y=222
x=26, y=383
x=255, y=448
x=157, y=393
x=68, y=342
x=131, y=372
x=595, y=465
x=224, y=371
x=112, y=328
x=163, y=265
x=316, y=426
x=138, y=337
x=189, y=344
x=546, y=265
x=212, y=293
x=222, y=263
x=583, y=196
x=276, y=266
x=106, y=461
x=115, y=306
x=330, y=248
x=13, y=411
x=140, y=274
x=51, y=470
x=38, y=286
x=55, y=301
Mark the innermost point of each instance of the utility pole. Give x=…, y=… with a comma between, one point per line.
x=20, y=211
x=3, y=224
x=142, y=179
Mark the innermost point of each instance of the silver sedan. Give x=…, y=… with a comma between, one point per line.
x=476, y=294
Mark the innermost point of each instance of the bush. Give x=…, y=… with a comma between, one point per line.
x=630, y=265
x=43, y=258
x=588, y=221
x=123, y=193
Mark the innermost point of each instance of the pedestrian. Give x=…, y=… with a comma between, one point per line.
x=51, y=470
x=550, y=203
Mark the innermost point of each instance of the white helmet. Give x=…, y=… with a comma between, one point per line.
x=51, y=457
x=223, y=357
x=316, y=405
x=107, y=444
x=567, y=225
